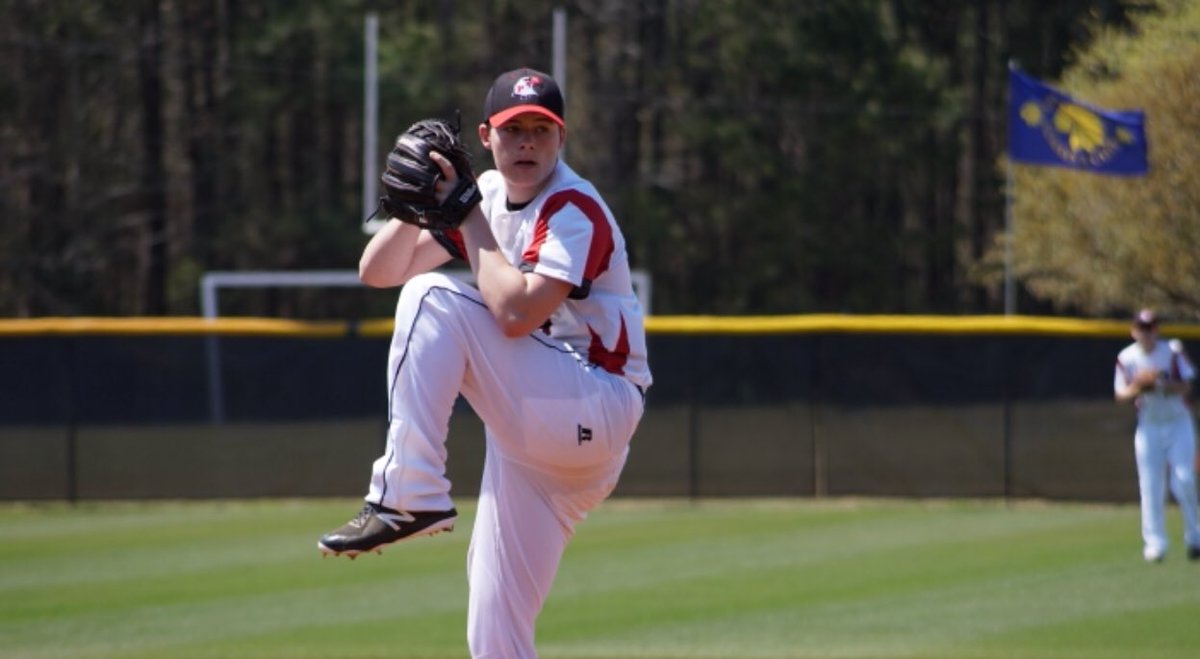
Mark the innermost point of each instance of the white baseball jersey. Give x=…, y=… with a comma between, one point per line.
x=568, y=233
x=1153, y=406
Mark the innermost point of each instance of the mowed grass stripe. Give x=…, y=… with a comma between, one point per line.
x=725, y=578
x=215, y=553
x=899, y=586
x=204, y=571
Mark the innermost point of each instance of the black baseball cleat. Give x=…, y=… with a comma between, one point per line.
x=376, y=526
x=1194, y=553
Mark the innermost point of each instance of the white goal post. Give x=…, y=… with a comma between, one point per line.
x=211, y=284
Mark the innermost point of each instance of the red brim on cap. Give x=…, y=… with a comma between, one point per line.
x=504, y=115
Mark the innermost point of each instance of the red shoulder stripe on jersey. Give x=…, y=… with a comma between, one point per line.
x=601, y=248
x=613, y=360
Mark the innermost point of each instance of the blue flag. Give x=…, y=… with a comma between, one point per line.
x=1047, y=127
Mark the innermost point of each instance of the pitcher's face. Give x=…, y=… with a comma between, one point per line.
x=525, y=149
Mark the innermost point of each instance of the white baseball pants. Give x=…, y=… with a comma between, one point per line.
x=558, y=433
x=1160, y=447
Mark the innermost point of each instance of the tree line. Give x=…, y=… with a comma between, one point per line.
x=762, y=156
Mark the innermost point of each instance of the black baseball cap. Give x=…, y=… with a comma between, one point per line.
x=1145, y=318
x=523, y=90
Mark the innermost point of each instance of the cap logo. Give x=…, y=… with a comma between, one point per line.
x=527, y=87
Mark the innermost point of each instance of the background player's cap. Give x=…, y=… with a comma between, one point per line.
x=1145, y=318
x=523, y=90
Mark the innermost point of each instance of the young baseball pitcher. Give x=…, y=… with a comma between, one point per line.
x=549, y=350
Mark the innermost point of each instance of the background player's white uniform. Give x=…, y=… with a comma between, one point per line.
x=1165, y=438
x=560, y=406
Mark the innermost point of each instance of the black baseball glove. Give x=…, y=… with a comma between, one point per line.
x=408, y=182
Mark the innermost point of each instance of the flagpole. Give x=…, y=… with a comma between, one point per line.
x=1010, y=294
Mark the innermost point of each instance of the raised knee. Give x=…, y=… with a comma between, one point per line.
x=417, y=287
x=428, y=280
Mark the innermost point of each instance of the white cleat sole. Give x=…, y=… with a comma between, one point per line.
x=444, y=526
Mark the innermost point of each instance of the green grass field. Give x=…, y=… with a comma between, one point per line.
x=643, y=579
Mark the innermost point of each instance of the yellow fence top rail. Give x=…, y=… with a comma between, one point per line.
x=698, y=325
x=168, y=326
x=900, y=324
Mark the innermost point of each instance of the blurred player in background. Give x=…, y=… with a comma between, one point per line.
x=1156, y=376
x=549, y=350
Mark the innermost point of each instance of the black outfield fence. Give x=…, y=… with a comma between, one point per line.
x=130, y=408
